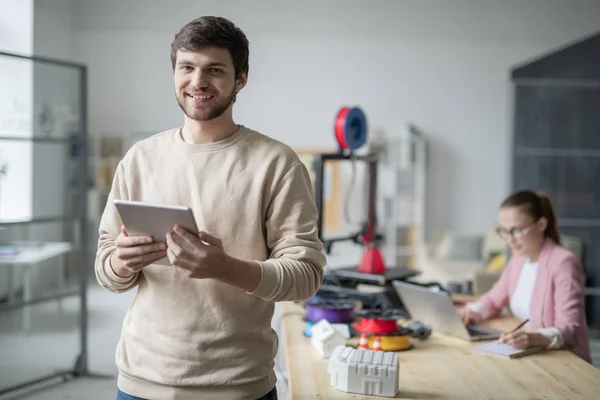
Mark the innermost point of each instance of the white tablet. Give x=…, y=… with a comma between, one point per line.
x=156, y=220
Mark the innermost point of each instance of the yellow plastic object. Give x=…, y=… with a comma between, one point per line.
x=392, y=342
x=496, y=264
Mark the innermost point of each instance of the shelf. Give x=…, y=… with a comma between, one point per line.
x=592, y=291
x=533, y=152
x=579, y=223
x=37, y=139
x=4, y=222
x=549, y=82
x=407, y=250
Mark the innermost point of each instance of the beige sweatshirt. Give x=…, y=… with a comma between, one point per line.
x=186, y=338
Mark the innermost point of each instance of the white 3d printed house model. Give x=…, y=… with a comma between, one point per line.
x=365, y=372
x=326, y=338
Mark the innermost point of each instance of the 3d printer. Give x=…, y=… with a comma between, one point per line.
x=351, y=134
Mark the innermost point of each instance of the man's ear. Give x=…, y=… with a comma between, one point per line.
x=241, y=81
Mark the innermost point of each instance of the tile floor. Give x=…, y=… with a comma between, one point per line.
x=55, y=340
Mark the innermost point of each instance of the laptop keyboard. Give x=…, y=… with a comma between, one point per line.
x=480, y=330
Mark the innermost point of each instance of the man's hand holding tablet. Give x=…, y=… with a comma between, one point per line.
x=134, y=253
x=202, y=256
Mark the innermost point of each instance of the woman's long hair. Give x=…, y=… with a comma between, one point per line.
x=537, y=205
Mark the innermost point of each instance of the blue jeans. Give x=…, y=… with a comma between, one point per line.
x=272, y=395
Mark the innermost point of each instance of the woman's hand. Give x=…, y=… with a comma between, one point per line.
x=524, y=340
x=470, y=316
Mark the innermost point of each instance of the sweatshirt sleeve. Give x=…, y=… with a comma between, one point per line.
x=295, y=268
x=110, y=226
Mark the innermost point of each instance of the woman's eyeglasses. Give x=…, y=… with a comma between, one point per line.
x=516, y=232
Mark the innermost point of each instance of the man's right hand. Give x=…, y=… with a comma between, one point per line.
x=470, y=316
x=134, y=253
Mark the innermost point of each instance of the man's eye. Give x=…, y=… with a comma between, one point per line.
x=216, y=70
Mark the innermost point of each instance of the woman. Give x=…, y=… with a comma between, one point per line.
x=542, y=282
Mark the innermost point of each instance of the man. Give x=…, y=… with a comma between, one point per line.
x=201, y=328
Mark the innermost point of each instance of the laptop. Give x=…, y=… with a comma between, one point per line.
x=435, y=308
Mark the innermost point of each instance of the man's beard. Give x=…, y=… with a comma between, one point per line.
x=206, y=114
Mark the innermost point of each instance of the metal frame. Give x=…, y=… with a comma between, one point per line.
x=348, y=278
x=319, y=167
x=80, y=367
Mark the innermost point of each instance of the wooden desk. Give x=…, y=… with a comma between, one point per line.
x=443, y=367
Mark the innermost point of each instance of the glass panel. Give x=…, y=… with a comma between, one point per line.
x=38, y=340
x=572, y=183
x=557, y=117
x=16, y=97
x=589, y=236
x=591, y=256
x=50, y=179
x=57, y=105
x=40, y=219
x=16, y=185
x=37, y=179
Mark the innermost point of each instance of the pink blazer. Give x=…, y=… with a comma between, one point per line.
x=558, y=299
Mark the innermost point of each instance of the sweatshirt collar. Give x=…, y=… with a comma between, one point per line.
x=207, y=147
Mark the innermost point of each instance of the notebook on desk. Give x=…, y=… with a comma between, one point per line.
x=503, y=350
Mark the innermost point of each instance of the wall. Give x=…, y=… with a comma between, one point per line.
x=53, y=36
x=441, y=65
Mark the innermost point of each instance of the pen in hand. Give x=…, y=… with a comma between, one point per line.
x=520, y=325
x=514, y=330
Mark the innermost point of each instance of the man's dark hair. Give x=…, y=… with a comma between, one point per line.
x=213, y=31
